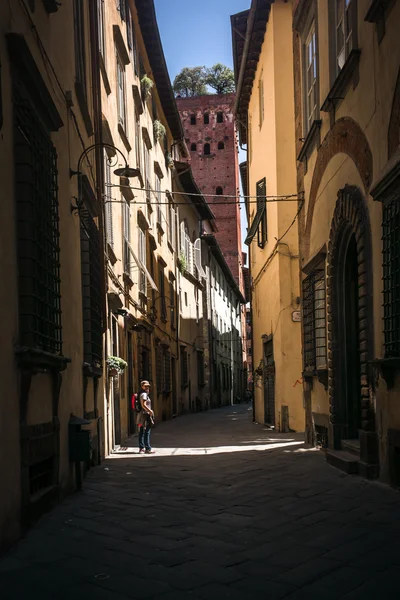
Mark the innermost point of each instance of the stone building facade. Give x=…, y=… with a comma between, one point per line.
x=347, y=99
x=264, y=109
x=52, y=254
x=96, y=189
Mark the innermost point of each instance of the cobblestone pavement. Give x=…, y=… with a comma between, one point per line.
x=225, y=509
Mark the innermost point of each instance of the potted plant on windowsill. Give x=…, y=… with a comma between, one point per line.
x=146, y=85
x=116, y=365
x=182, y=265
x=159, y=130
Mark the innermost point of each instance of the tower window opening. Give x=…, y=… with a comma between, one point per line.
x=206, y=118
x=219, y=191
x=193, y=119
x=221, y=146
x=193, y=147
x=207, y=149
x=220, y=117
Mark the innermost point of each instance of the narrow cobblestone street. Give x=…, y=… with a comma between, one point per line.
x=225, y=509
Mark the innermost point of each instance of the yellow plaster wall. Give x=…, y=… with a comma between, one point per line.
x=273, y=156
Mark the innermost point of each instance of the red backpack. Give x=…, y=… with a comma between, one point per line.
x=136, y=404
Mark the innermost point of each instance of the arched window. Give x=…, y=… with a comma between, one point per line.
x=193, y=147
x=193, y=119
x=220, y=117
x=218, y=191
x=206, y=118
x=221, y=145
x=207, y=149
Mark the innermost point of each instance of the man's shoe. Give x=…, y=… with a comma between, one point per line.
x=150, y=451
x=141, y=450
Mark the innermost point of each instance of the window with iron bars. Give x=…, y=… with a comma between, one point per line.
x=184, y=367
x=161, y=278
x=36, y=193
x=158, y=199
x=163, y=370
x=200, y=368
x=91, y=290
x=314, y=321
x=172, y=304
x=144, y=353
x=391, y=277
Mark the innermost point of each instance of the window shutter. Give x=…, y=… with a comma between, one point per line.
x=183, y=239
x=261, y=191
x=190, y=257
x=197, y=258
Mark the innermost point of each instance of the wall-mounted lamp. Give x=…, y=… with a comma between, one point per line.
x=125, y=171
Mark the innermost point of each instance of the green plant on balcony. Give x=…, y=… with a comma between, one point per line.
x=169, y=161
x=146, y=85
x=116, y=365
x=182, y=263
x=159, y=130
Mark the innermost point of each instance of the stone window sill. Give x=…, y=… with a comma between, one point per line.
x=104, y=75
x=82, y=101
x=377, y=13
x=388, y=368
x=385, y=188
x=32, y=358
x=111, y=254
x=124, y=137
x=349, y=74
x=312, y=139
x=321, y=374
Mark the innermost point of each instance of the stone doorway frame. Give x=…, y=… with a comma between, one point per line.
x=351, y=214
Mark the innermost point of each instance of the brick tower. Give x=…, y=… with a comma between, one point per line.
x=210, y=134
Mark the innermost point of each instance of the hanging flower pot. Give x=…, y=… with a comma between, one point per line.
x=159, y=130
x=116, y=365
x=146, y=85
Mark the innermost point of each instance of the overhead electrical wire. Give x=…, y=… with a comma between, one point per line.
x=284, y=198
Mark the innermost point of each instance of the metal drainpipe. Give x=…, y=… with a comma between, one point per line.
x=94, y=50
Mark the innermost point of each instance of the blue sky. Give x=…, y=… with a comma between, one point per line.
x=196, y=33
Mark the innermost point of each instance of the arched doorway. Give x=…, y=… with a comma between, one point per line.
x=350, y=329
x=347, y=327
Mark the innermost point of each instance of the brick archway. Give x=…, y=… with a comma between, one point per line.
x=394, y=123
x=350, y=219
x=346, y=137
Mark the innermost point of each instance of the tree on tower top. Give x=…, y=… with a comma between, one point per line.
x=194, y=81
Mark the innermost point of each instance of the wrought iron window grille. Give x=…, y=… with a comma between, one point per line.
x=36, y=181
x=91, y=289
x=391, y=277
x=314, y=321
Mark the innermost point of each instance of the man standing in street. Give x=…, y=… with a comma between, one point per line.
x=145, y=419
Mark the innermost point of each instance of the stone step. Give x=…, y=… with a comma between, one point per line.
x=346, y=461
x=352, y=446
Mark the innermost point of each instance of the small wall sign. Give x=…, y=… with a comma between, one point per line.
x=296, y=316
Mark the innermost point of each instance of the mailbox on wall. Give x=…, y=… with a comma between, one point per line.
x=80, y=444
